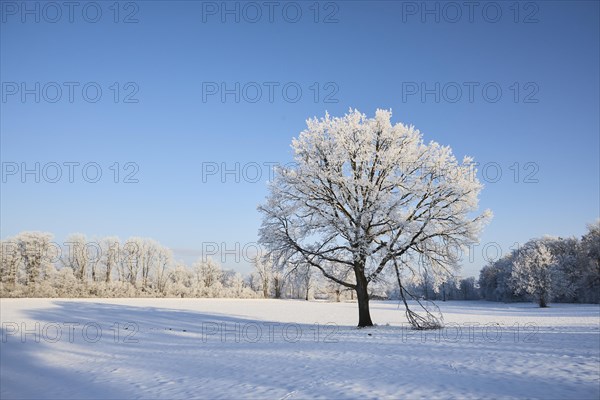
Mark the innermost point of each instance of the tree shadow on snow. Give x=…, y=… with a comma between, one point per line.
x=125, y=351
x=90, y=349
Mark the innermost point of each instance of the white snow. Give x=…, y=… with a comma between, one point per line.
x=187, y=348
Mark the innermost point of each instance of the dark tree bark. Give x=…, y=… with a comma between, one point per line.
x=443, y=291
x=277, y=285
x=362, y=294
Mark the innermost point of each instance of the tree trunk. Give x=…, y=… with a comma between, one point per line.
x=277, y=289
x=364, y=315
x=443, y=291
x=542, y=302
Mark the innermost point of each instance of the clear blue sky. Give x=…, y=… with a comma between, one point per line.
x=374, y=56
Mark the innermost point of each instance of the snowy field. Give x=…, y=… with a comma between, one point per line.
x=287, y=349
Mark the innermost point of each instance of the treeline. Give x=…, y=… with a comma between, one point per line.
x=31, y=265
x=563, y=270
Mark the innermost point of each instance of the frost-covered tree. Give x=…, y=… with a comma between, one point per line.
x=305, y=274
x=273, y=273
x=298, y=282
x=495, y=280
x=34, y=248
x=110, y=256
x=208, y=275
x=131, y=255
x=362, y=194
x=534, y=271
x=235, y=283
x=10, y=259
x=279, y=281
x=252, y=281
x=262, y=268
x=164, y=259
x=180, y=281
x=66, y=284
x=210, y=272
x=148, y=250
x=467, y=289
x=589, y=265
x=141, y=262
x=76, y=256
x=567, y=270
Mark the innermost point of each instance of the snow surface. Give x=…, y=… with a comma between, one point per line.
x=212, y=348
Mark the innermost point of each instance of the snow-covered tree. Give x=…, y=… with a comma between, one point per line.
x=467, y=289
x=141, y=262
x=66, y=284
x=110, y=256
x=279, y=280
x=148, y=250
x=76, y=256
x=180, y=281
x=273, y=274
x=208, y=275
x=131, y=255
x=235, y=284
x=34, y=249
x=305, y=274
x=252, y=281
x=298, y=282
x=10, y=259
x=495, y=280
x=362, y=194
x=534, y=271
x=589, y=265
x=262, y=268
x=565, y=252
x=164, y=259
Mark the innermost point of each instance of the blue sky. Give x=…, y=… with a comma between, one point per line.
x=543, y=56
